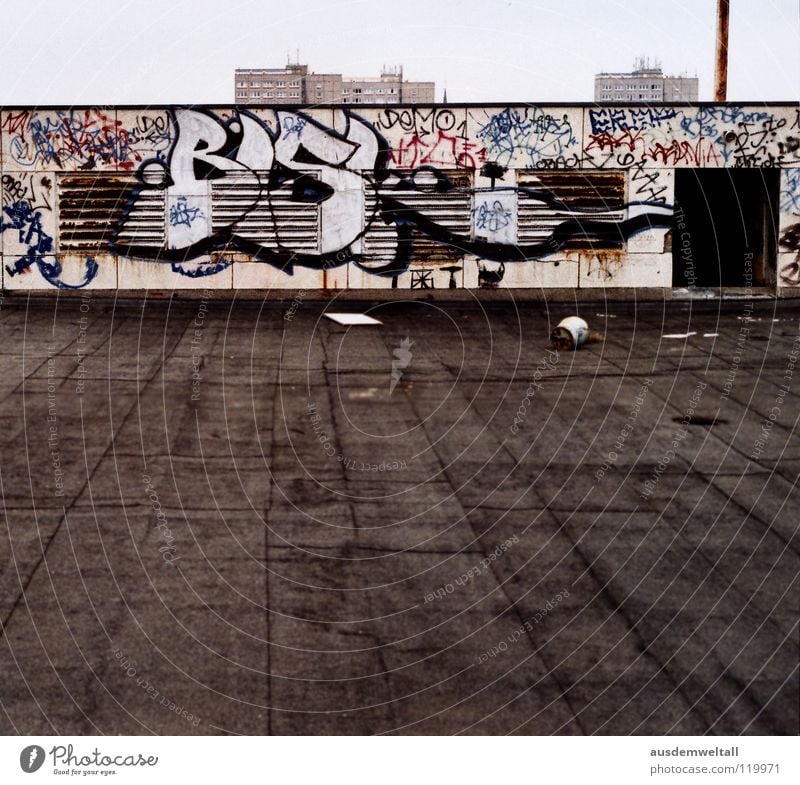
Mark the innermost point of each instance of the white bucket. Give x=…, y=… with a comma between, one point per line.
x=570, y=333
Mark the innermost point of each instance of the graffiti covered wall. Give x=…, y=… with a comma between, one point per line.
x=392, y=197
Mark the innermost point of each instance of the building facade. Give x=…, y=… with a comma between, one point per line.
x=264, y=198
x=294, y=84
x=644, y=83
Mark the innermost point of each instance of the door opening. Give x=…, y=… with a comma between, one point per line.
x=726, y=225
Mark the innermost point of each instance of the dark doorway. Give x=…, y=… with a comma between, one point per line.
x=726, y=224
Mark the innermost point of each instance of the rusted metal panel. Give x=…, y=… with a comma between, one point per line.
x=580, y=190
x=89, y=208
x=427, y=253
x=146, y=224
x=275, y=217
x=449, y=208
x=589, y=196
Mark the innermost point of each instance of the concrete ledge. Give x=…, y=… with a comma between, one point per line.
x=621, y=294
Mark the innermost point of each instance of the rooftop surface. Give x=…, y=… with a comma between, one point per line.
x=246, y=518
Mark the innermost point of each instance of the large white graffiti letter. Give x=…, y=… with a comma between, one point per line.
x=335, y=158
x=209, y=154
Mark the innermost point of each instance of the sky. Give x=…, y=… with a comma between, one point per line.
x=185, y=51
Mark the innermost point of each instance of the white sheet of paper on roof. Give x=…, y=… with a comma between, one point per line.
x=352, y=318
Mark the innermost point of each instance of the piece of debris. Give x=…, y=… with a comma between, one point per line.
x=699, y=419
x=678, y=335
x=352, y=318
x=572, y=332
x=368, y=394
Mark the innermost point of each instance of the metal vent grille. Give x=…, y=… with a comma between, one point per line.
x=595, y=196
x=450, y=209
x=89, y=208
x=145, y=223
x=271, y=217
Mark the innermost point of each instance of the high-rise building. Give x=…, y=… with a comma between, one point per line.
x=294, y=84
x=645, y=83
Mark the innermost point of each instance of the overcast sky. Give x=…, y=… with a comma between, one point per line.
x=185, y=51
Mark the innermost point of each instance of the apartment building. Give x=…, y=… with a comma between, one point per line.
x=644, y=83
x=294, y=84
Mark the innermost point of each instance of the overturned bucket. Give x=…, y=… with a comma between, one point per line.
x=570, y=333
